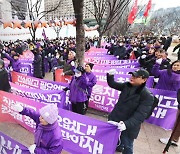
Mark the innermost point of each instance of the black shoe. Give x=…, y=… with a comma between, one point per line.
x=119, y=149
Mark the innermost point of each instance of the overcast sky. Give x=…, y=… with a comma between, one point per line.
x=166, y=3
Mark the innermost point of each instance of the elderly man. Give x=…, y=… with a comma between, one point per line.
x=134, y=105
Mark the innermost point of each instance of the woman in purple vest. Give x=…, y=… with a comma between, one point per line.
x=169, y=79
x=48, y=139
x=78, y=90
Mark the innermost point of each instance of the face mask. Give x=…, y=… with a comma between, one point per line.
x=120, y=44
x=77, y=75
x=57, y=57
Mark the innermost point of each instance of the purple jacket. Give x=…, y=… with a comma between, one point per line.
x=91, y=81
x=16, y=64
x=78, y=89
x=48, y=138
x=166, y=81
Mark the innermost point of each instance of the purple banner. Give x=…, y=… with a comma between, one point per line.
x=110, y=62
x=35, y=83
x=26, y=67
x=43, y=96
x=165, y=114
x=122, y=78
x=10, y=146
x=81, y=134
x=100, y=69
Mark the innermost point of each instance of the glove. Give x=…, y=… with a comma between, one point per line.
x=113, y=123
x=72, y=63
x=62, y=74
x=112, y=71
x=159, y=61
x=135, y=49
x=121, y=126
x=17, y=108
x=32, y=148
x=66, y=89
x=143, y=56
x=117, y=57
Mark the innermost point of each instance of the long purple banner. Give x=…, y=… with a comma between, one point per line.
x=43, y=96
x=10, y=146
x=81, y=134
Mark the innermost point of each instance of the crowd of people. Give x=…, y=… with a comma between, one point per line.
x=135, y=101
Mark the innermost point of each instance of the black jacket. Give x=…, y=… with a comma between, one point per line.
x=37, y=63
x=4, y=82
x=133, y=106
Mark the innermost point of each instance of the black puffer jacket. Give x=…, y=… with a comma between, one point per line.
x=4, y=82
x=133, y=106
x=37, y=63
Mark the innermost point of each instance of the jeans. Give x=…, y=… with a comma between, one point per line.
x=126, y=144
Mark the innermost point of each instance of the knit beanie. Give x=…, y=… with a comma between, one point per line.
x=49, y=113
x=91, y=65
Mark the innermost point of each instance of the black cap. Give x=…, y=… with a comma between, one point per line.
x=141, y=72
x=90, y=65
x=79, y=69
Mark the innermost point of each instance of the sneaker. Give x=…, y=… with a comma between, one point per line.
x=165, y=141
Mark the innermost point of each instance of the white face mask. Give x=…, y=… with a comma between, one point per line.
x=57, y=57
x=120, y=44
x=77, y=75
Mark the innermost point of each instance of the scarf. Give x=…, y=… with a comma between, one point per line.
x=40, y=129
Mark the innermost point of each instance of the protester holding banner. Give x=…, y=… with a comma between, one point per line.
x=78, y=90
x=133, y=107
x=176, y=135
x=4, y=85
x=37, y=63
x=14, y=59
x=169, y=79
x=91, y=80
x=48, y=139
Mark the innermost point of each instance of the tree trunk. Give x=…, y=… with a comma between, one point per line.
x=80, y=34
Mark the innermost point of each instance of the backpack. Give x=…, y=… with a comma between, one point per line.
x=155, y=104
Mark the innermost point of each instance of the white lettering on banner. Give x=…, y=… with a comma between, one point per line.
x=167, y=102
x=82, y=138
x=76, y=127
x=24, y=69
x=121, y=79
x=164, y=104
x=98, y=99
x=50, y=98
x=28, y=81
x=7, y=110
x=5, y=147
x=159, y=113
x=102, y=108
x=50, y=86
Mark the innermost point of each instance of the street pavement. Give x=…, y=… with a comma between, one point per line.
x=146, y=143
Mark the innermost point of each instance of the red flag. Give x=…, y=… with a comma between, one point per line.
x=146, y=12
x=132, y=14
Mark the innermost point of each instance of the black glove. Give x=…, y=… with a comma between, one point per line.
x=65, y=89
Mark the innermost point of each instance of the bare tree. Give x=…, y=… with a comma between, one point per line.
x=107, y=13
x=35, y=13
x=80, y=34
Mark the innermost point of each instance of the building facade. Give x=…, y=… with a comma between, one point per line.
x=19, y=8
x=5, y=10
x=66, y=9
